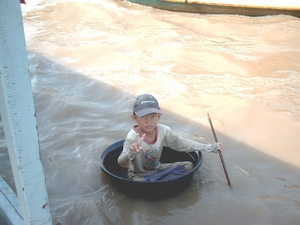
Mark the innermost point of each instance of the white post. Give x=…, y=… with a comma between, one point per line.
x=18, y=116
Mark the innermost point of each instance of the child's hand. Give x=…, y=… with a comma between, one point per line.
x=220, y=146
x=136, y=147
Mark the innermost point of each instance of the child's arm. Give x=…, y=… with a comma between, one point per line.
x=125, y=156
x=130, y=149
x=178, y=143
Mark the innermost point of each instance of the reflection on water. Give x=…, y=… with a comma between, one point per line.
x=88, y=60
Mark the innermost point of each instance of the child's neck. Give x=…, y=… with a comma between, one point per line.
x=150, y=136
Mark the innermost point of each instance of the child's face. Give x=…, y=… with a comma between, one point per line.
x=147, y=123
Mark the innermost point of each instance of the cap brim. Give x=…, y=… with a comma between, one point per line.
x=145, y=112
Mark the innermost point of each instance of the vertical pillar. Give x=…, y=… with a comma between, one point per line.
x=18, y=117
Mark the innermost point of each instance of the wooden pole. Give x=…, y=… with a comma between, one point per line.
x=220, y=152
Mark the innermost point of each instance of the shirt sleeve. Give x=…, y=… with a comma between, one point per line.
x=178, y=143
x=126, y=156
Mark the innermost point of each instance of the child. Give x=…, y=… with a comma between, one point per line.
x=144, y=143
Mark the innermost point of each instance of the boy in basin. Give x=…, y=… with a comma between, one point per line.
x=144, y=143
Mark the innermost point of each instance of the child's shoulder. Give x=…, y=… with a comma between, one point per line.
x=163, y=128
x=131, y=134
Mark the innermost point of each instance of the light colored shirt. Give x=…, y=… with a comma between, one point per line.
x=149, y=158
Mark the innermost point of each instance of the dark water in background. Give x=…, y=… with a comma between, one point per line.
x=89, y=59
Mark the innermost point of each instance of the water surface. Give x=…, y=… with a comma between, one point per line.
x=88, y=60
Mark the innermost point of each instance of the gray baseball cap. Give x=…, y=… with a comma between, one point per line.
x=145, y=104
